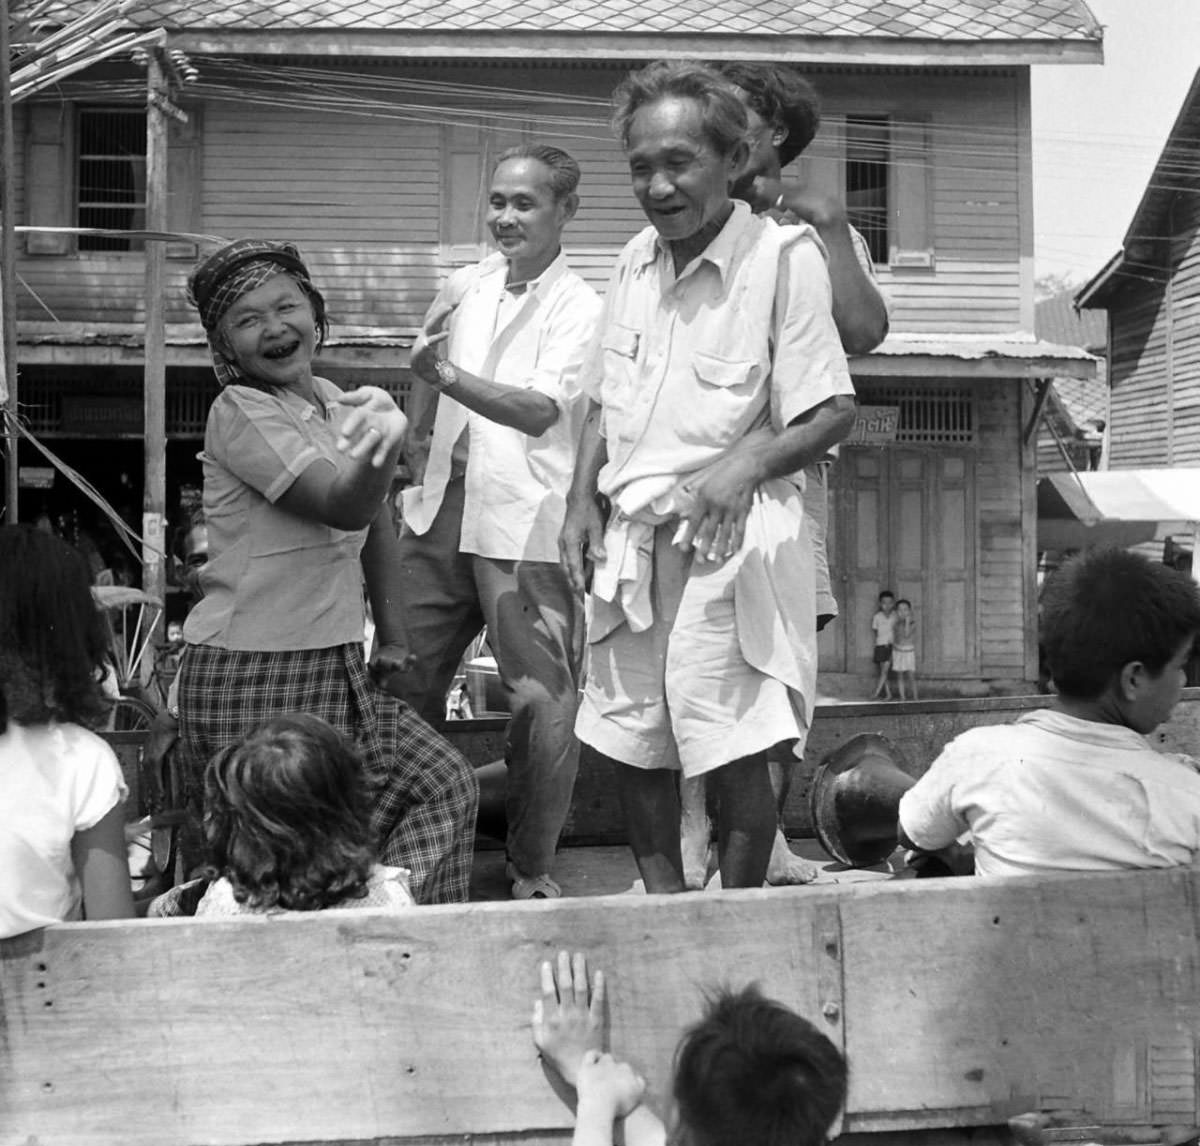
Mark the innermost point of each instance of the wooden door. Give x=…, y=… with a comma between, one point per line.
x=903, y=519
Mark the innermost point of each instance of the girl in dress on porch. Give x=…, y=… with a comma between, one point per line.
x=904, y=648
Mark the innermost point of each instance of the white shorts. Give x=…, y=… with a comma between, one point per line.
x=681, y=695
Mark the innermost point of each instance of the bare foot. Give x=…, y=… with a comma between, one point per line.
x=786, y=867
x=695, y=832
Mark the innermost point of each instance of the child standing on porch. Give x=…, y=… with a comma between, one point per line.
x=904, y=648
x=882, y=625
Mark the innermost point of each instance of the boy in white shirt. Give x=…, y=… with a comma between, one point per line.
x=1076, y=787
x=882, y=625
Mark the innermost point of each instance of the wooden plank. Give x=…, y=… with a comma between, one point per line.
x=346, y=1025
x=1019, y=994
x=962, y=1002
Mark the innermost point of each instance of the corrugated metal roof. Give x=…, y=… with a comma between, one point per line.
x=973, y=346
x=946, y=355
x=1055, y=319
x=973, y=21
x=1085, y=400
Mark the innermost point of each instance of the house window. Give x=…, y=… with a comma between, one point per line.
x=868, y=153
x=111, y=177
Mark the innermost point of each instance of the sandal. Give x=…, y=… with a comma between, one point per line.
x=532, y=887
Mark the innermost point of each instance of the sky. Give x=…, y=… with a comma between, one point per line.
x=1098, y=130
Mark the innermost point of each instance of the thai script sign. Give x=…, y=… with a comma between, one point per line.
x=875, y=425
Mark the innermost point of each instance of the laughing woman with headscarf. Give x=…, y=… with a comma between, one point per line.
x=295, y=476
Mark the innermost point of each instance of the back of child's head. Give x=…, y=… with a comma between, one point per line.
x=287, y=818
x=1108, y=608
x=53, y=637
x=752, y=1072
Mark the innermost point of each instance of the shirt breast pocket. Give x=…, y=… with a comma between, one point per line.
x=727, y=397
x=620, y=345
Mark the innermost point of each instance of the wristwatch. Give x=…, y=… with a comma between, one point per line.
x=446, y=373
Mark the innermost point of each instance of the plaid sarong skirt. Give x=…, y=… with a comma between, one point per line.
x=424, y=793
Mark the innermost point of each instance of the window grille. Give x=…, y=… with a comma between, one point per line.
x=937, y=417
x=868, y=153
x=111, y=177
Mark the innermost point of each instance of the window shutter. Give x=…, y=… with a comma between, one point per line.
x=823, y=164
x=48, y=185
x=469, y=153
x=185, y=183
x=912, y=203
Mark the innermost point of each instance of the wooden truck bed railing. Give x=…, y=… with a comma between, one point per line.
x=958, y=1002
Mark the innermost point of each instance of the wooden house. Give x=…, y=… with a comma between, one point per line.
x=364, y=130
x=1151, y=291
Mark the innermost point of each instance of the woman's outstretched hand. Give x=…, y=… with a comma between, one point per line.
x=375, y=426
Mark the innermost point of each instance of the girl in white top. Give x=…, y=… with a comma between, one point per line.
x=287, y=820
x=62, y=832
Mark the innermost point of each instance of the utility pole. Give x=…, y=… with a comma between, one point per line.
x=154, y=440
x=8, y=259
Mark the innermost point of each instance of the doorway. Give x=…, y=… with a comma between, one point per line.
x=903, y=518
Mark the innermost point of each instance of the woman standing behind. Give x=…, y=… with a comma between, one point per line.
x=295, y=476
x=62, y=823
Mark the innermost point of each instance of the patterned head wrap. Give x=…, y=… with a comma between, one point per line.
x=235, y=270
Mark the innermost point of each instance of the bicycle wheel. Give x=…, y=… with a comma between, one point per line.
x=132, y=715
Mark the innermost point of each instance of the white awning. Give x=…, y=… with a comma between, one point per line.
x=1116, y=507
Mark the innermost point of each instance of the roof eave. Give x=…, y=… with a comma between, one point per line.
x=1154, y=194
x=415, y=43
x=1094, y=294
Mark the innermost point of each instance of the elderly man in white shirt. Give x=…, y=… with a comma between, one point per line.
x=502, y=343
x=717, y=372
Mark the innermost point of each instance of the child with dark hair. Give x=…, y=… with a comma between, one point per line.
x=751, y=1072
x=62, y=831
x=1076, y=787
x=287, y=821
x=883, y=625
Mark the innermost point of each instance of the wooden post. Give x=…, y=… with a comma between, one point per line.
x=8, y=295
x=154, y=496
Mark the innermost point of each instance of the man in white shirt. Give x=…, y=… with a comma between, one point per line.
x=717, y=372
x=502, y=345
x=1076, y=787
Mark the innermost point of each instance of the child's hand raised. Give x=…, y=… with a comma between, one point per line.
x=567, y=1024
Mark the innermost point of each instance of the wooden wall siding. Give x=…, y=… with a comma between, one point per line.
x=1003, y=568
x=1138, y=435
x=1155, y=339
x=975, y=179
x=1185, y=326
x=364, y=197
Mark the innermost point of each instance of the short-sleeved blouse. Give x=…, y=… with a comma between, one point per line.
x=55, y=780
x=274, y=582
